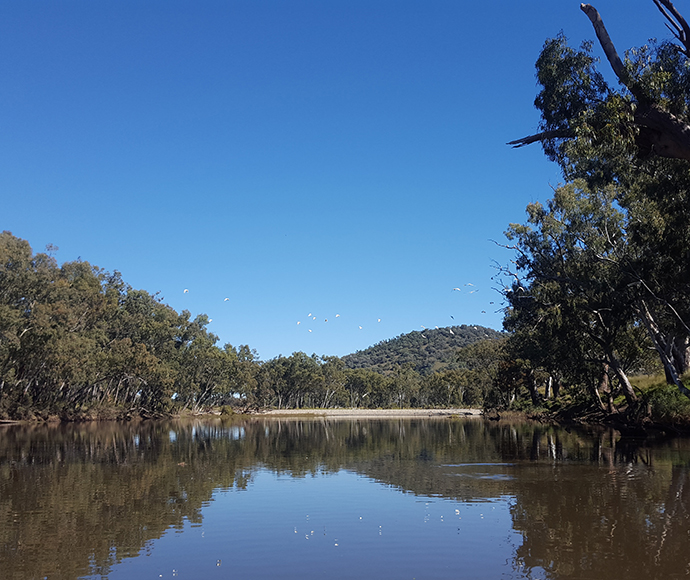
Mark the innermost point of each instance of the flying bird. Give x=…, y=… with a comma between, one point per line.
x=186, y=291
x=226, y=299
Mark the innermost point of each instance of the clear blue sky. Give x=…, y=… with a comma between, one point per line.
x=326, y=157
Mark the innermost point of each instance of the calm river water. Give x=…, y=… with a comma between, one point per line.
x=320, y=498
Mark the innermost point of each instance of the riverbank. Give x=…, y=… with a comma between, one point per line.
x=372, y=413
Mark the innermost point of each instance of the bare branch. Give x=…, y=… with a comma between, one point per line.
x=545, y=135
x=606, y=43
x=682, y=30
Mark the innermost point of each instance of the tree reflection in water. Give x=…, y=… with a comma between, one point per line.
x=76, y=500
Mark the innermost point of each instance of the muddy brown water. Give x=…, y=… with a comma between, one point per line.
x=270, y=497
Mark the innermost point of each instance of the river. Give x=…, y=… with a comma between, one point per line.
x=404, y=498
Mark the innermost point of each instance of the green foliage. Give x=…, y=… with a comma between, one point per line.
x=668, y=406
x=601, y=276
x=430, y=351
x=77, y=342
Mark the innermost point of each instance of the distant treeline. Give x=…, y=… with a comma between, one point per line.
x=78, y=342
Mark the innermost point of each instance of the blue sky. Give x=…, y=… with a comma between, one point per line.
x=332, y=157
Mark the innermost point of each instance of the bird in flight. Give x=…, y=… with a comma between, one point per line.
x=186, y=290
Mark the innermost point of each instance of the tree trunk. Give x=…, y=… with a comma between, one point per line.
x=628, y=390
x=661, y=345
x=681, y=354
x=532, y=387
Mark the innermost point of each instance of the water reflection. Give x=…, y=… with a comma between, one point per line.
x=436, y=498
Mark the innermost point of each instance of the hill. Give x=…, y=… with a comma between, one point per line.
x=427, y=351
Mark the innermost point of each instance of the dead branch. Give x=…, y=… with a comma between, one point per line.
x=606, y=43
x=678, y=26
x=544, y=136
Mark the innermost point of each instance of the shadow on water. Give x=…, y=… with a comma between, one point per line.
x=76, y=500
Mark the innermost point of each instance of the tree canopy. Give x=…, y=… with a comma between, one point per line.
x=601, y=275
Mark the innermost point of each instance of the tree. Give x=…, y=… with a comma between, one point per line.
x=649, y=114
x=634, y=139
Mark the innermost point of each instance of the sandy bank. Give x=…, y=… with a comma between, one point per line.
x=373, y=413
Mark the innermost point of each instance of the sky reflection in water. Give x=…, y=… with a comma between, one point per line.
x=333, y=525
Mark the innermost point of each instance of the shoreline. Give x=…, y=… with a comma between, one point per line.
x=371, y=413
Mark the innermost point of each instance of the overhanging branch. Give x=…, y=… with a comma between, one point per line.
x=543, y=136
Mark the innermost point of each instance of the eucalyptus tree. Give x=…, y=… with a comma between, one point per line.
x=647, y=115
x=634, y=137
x=573, y=293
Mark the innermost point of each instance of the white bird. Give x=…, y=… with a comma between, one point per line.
x=360, y=328
x=337, y=315
x=308, y=315
x=226, y=299
x=210, y=319
x=185, y=291
x=310, y=330
x=451, y=332
x=469, y=284
x=298, y=322
x=379, y=320
x=458, y=289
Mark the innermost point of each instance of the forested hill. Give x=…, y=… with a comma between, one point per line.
x=426, y=351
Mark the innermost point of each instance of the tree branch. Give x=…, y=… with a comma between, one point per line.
x=682, y=30
x=668, y=135
x=543, y=136
x=607, y=44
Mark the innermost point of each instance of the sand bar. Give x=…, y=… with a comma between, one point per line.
x=373, y=413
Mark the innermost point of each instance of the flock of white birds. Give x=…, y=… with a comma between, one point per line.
x=312, y=318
